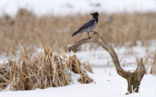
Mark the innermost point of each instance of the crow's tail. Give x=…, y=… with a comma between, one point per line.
x=75, y=33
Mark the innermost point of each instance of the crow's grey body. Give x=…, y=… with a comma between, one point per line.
x=89, y=26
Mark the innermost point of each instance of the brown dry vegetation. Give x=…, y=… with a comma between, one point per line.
x=29, y=72
x=34, y=31
x=153, y=66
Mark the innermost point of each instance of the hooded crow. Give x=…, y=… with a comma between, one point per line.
x=89, y=26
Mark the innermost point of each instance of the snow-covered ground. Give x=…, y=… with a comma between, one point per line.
x=128, y=56
x=107, y=84
x=106, y=80
x=66, y=7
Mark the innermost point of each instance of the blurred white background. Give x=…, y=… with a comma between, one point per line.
x=68, y=7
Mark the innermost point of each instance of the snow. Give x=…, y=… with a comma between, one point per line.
x=66, y=7
x=127, y=55
x=3, y=58
x=107, y=83
x=106, y=80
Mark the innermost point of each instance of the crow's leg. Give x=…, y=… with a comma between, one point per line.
x=88, y=35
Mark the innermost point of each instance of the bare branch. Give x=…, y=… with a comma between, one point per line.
x=98, y=40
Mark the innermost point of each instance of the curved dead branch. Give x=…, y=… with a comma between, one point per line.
x=133, y=79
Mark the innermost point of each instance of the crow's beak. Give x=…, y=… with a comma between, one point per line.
x=91, y=14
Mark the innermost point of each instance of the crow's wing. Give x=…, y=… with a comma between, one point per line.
x=87, y=25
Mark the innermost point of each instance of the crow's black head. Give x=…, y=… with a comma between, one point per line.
x=95, y=14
